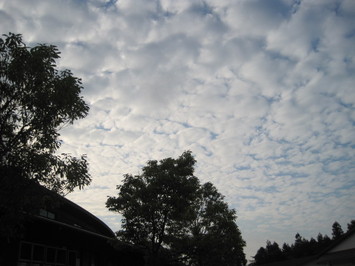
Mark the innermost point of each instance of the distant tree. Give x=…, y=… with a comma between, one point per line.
x=351, y=225
x=261, y=256
x=271, y=253
x=323, y=242
x=274, y=251
x=320, y=238
x=166, y=208
x=301, y=248
x=337, y=231
x=312, y=246
x=36, y=101
x=286, y=250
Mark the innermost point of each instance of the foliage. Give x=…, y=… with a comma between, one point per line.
x=271, y=253
x=301, y=247
x=351, y=225
x=166, y=209
x=337, y=231
x=36, y=101
x=213, y=237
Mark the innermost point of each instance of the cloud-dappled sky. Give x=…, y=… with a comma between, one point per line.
x=262, y=93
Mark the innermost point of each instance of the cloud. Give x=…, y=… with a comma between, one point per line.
x=261, y=93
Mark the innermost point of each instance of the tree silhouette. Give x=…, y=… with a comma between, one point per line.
x=213, y=237
x=36, y=101
x=301, y=247
x=351, y=225
x=337, y=231
x=166, y=209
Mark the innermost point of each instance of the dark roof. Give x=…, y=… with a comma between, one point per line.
x=338, y=256
x=292, y=262
x=343, y=255
x=88, y=221
x=70, y=214
x=338, y=241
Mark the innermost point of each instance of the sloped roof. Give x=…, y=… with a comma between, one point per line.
x=342, y=255
x=292, y=262
x=72, y=215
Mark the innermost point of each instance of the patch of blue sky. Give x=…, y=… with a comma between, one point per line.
x=101, y=127
x=80, y=44
x=184, y=124
x=346, y=105
x=333, y=158
x=265, y=189
x=108, y=4
x=253, y=202
x=242, y=168
x=315, y=43
x=111, y=145
x=280, y=160
x=202, y=8
x=340, y=169
x=350, y=34
x=161, y=14
x=277, y=7
x=99, y=187
x=160, y=132
x=197, y=147
x=350, y=185
x=278, y=56
x=291, y=174
x=318, y=197
x=283, y=141
x=254, y=156
x=213, y=135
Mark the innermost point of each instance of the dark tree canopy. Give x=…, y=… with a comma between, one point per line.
x=351, y=225
x=166, y=209
x=213, y=237
x=36, y=101
x=337, y=231
x=154, y=204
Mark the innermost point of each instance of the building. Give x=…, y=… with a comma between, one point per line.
x=341, y=253
x=65, y=235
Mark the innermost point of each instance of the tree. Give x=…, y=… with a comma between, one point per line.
x=271, y=253
x=301, y=248
x=213, y=236
x=166, y=208
x=351, y=225
x=261, y=256
x=36, y=101
x=286, y=250
x=156, y=204
x=274, y=251
x=337, y=231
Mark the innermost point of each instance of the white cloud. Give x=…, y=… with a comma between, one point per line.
x=261, y=93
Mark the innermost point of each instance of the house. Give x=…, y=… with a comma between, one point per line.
x=65, y=235
x=340, y=253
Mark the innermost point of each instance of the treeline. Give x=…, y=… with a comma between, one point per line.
x=300, y=248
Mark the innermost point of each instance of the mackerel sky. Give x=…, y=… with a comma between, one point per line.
x=262, y=93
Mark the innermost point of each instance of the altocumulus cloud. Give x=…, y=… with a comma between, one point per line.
x=262, y=92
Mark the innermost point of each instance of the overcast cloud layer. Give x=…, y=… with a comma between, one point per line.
x=262, y=93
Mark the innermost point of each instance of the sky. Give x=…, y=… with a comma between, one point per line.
x=262, y=93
